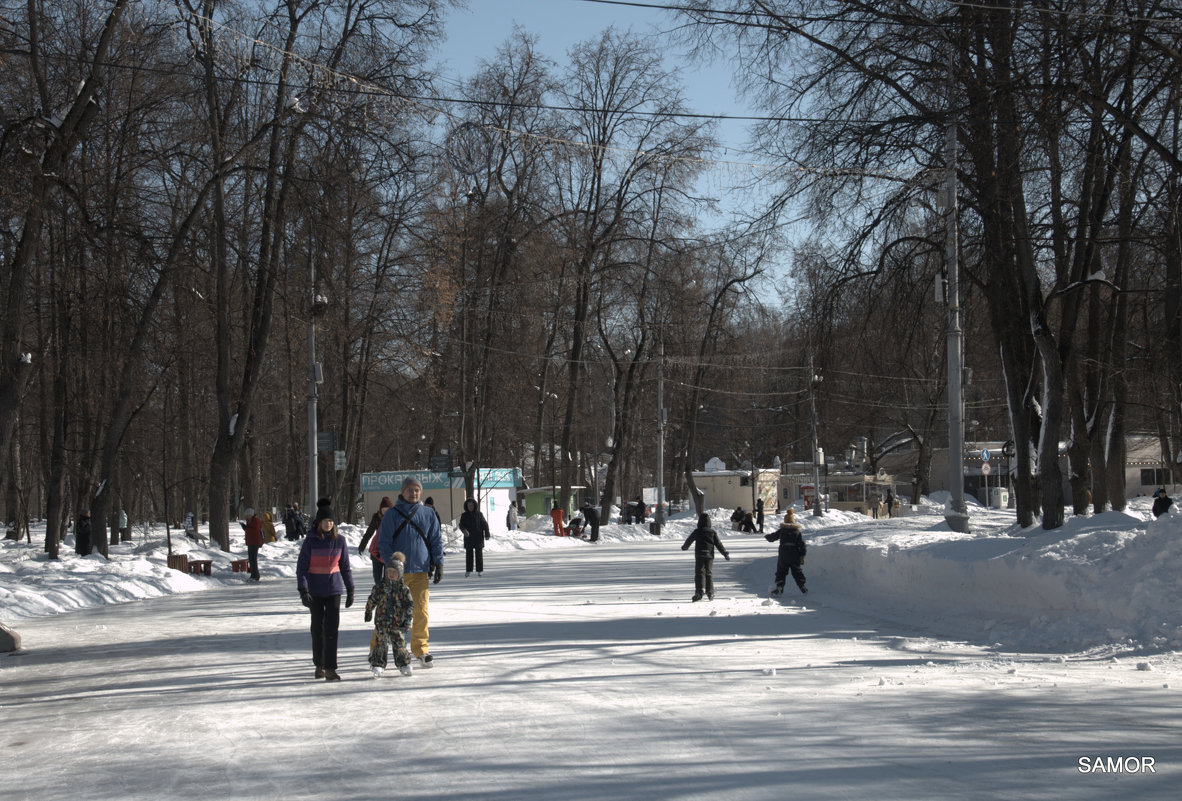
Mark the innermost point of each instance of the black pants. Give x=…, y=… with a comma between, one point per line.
x=379, y=571
x=704, y=575
x=326, y=623
x=789, y=563
x=473, y=556
x=594, y=531
x=252, y=553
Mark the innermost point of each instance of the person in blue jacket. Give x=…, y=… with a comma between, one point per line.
x=413, y=528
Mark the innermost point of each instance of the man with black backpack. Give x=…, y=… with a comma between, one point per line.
x=413, y=529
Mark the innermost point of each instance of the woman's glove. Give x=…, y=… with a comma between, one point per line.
x=348, y=598
x=305, y=598
x=438, y=573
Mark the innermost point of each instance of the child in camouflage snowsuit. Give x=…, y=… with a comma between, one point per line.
x=391, y=607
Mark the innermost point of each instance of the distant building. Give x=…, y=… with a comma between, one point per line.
x=495, y=490
x=730, y=488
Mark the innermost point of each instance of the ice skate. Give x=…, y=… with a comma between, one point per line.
x=405, y=670
x=376, y=671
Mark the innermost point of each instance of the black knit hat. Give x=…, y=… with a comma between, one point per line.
x=323, y=510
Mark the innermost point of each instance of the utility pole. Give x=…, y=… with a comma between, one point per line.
x=660, y=515
x=956, y=513
x=814, y=380
x=317, y=305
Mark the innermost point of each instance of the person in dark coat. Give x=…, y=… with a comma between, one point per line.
x=1161, y=502
x=640, y=509
x=372, y=542
x=591, y=515
x=791, y=556
x=737, y=518
x=748, y=524
x=254, y=540
x=759, y=515
x=475, y=529
x=705, y=540
x=82, y=545
x=323, y=573
x=293, y=523
x=429, y=502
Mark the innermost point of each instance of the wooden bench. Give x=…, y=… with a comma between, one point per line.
x=240, y=565
x=179, y=561
x=199, y=566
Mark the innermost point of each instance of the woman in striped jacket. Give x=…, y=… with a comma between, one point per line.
x=322, y=574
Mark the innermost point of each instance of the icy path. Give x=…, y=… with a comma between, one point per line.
x=567, y=674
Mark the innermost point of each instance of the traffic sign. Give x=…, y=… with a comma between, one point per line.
x=984, y=454
x=985, y=469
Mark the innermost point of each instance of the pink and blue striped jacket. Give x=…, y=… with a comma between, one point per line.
x=323, y=568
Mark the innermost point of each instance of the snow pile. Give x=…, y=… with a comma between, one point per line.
x=1108, y=578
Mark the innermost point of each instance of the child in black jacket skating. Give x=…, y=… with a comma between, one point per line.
x=706, y=540
x=791, y=556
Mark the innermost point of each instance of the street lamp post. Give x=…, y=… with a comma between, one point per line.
x=660, y=516
x=814, y=381
x=318, y=305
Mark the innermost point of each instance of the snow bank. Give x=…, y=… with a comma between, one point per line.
x=1109, y=578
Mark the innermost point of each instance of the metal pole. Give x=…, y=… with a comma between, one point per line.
x=816, y=444
x=956, y=513
x=313, y=490
x=660, y=516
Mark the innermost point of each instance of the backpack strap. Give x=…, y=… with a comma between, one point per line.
x=415, y=526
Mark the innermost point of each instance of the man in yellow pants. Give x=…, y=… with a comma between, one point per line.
x=413, y=528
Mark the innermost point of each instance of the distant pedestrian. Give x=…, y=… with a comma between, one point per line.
x=82, y=535
x=370, y=541
x=737, y=518
x=591, y=515
x=640, y=511
x=391, y=607
x=890, y=502
x=557, y=515
x=1161, y=502
x=705, y=540
x=254, y=538
x=791, y=553
x=124, y=526
x=475, y=530
x=293, y=523
x=511, y=517
x=429, y=502
x=759, y=514
x=268, y=528
x=748, y=524
x=323, y=573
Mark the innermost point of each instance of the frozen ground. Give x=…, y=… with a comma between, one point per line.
x=922, y=664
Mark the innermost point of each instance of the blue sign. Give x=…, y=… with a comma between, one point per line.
x=487, y=478
x=984, y=454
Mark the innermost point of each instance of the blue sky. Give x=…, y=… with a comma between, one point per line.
x=475, y=33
